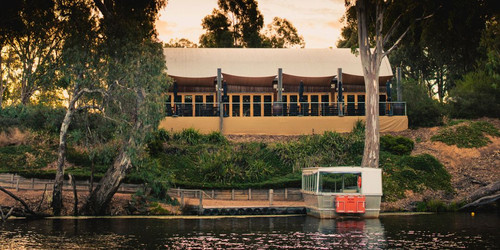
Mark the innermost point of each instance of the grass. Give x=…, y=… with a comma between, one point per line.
x=467, y=135
x=193, y=160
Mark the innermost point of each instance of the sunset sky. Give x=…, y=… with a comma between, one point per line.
x=316, y=20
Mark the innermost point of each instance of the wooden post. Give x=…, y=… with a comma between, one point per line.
x=200, y=206
x=249, y=194
x=232, y=194
x=178, y=191
x=182, y=198
x=213, y=194
x=271, y=194
x=340, y=92
x=32, y=183
x=17, y=185
x=219, y=100
x=280, y=85
x=398, y=87
x=286, y=193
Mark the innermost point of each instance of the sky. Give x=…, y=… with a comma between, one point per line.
x=316, y=20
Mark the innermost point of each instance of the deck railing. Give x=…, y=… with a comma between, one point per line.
x=258, y=109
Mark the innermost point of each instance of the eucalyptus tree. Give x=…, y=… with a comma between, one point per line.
x=282, y=34
x=9, y=24
x=239, y=20
x=135, y=78
x=82, y=74
x=375, y=31
x=36, y=44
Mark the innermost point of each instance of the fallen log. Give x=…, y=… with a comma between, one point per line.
x=483, y=196
x=29, y=213
x=482, y=202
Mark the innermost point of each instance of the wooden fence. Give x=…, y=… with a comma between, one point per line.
x=13, y=181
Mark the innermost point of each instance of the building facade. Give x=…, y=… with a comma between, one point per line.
x=272, y=91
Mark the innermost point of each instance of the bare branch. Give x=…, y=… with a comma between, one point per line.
x=396, y=43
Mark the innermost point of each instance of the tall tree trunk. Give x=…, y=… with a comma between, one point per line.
x=100, y=197
x=57, y=201
x=371, y=64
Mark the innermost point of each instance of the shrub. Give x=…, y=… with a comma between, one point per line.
x=412, y=173
x=423, y=111
x=470, y=135
x=398, y=145
x=477, y=95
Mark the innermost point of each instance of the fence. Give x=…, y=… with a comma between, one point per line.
x=286, y=194
x=17, y=182
x=257, y=109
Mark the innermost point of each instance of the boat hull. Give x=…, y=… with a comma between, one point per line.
x=323, y=206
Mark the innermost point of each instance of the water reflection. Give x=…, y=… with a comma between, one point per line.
x=426, y=231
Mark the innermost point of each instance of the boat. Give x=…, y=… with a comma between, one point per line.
x=333, y=192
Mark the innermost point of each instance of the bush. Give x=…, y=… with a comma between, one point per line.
x=398, y=145
x=471, y=135
x=477, y=95
x=412, y=173
x=423, y=111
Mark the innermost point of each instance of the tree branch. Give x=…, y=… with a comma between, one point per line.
x=100, y=5
x=90, y=107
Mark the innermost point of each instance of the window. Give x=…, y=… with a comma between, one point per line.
x=246, y=105
x=257, y=105
x=339, y=182
x=268, y=105
x=236, y=105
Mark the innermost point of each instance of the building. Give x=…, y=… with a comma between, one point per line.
x=272, y=91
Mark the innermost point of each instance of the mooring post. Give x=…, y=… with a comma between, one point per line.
x=200, y=207
x=271, y=194
x=182, y=198
x=219, y=100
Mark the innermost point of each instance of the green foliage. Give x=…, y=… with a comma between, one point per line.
x=471, y=135
x=36, y=117
x=477, y=95
x=398, y=145
x=238, y=23
x=413, y=173
x=25, y=157
x=423, y=111
x=434, y=205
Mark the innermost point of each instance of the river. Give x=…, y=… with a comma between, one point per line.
x=448, y=230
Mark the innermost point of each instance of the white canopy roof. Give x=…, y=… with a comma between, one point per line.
x=203, y=62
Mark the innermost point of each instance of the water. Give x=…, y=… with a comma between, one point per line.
x=454, y=230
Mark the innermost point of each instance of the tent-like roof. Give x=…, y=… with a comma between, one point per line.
x=203, y=62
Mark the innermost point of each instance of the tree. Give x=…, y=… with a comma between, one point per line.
x=80, y=71
x=9, y=24
x=436, y=52
x=36, y=43
x=180, y=43
x=237, y=23
x=371, y=32
x=282, y=34
x=136, y=78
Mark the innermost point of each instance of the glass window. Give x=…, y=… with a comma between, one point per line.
x=236, y=105
x=314, y=105
x=187, y=107
x=246, y=105
x=257, y=105
x=198, y=104
x=267, y=105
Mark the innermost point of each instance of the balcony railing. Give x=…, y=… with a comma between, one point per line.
x=259, y=109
